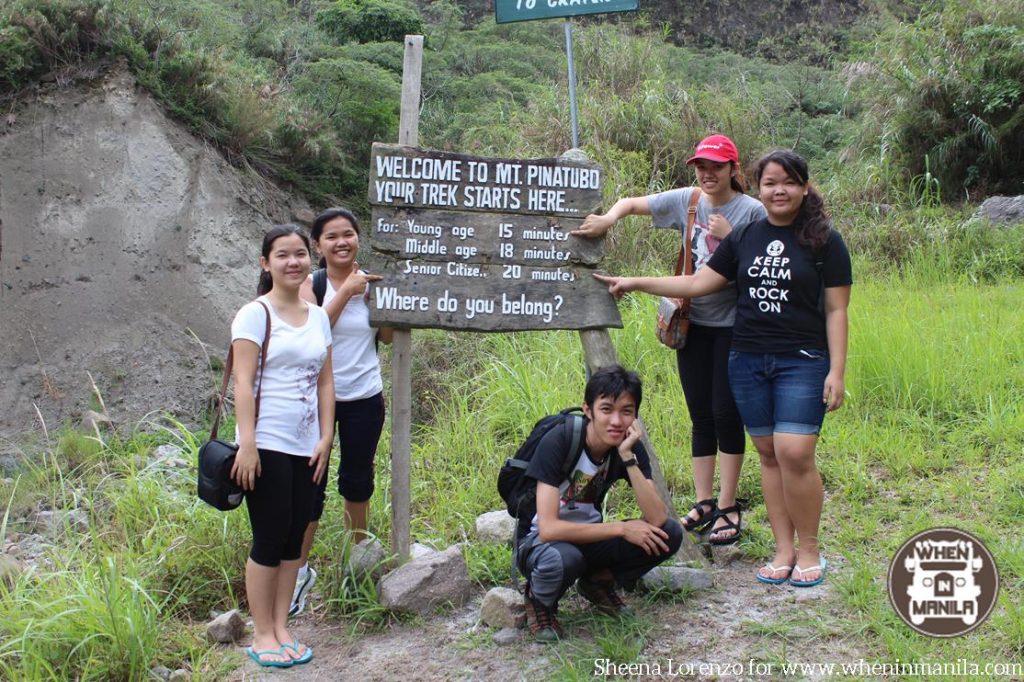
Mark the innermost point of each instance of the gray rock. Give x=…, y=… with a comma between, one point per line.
x=8, y=464
x=677, y=579
x=1002, y=210
x=225, y=628
x=29, y=546
x=503, y=608
x=50, y=521
x=167, y=451
x=180, y=675
x=507, y=636
x=305, y=216
x=367, y=558
x=10, y=569
x=423, y=584
x=160, y=673
x=495, y=526
x=92, y=421
x=417, y=551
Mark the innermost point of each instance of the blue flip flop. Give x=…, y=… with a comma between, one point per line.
x=773, y=569
x=257, y=656
x=304, y=658
x=822, y=565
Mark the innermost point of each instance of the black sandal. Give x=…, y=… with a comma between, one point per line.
x=723, y=513
x=704, y=518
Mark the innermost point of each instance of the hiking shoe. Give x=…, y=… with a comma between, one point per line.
x=599, y=590
x=541, y=620
x=302, y=588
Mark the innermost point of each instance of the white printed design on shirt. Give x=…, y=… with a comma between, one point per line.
x=774, y=272
x=309, y=420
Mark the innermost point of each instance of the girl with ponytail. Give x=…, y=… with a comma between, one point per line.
x=284, y=439
x=717, y=431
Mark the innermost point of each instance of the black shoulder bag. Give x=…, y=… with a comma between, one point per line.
x=217, y=457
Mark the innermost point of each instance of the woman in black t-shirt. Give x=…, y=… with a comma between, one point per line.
x=788, y=357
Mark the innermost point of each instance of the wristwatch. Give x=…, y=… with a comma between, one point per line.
x=631, y=462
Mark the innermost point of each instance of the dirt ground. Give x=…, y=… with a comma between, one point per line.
x=709, y=635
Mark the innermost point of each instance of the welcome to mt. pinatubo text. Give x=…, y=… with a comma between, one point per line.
x=482, y=185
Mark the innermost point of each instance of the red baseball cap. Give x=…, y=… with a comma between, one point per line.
x=716, y=148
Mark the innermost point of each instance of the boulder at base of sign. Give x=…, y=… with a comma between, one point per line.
x=424, y=584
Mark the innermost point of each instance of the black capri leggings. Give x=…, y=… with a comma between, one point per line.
x=359, y=425
x=280, y=507
x=704, y=373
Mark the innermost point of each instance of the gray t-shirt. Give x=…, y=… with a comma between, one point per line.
x=668, y=209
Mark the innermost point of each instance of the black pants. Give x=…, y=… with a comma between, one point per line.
x=704, y=373
x=359, y=425
x=552, y=567
x=280, y=507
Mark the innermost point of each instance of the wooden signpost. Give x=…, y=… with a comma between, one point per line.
x=480, y=244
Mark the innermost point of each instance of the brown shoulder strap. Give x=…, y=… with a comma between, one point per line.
x=684, y=264
x=229, y=363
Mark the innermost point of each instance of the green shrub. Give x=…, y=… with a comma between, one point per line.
x=19, y=59
x=947, y=94
x=369, y=21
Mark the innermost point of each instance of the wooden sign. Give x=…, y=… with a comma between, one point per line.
x=483, y=244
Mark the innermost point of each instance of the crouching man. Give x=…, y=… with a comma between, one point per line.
x=568, y=541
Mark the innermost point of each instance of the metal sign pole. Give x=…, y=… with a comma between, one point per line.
x=572, y=86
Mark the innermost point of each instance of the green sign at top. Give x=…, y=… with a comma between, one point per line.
x=507, y=11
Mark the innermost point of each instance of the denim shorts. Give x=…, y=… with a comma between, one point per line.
x=780, y=392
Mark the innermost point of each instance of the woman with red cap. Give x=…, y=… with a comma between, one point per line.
x=703, y=364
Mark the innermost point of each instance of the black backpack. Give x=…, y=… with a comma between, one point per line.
x=520, y=493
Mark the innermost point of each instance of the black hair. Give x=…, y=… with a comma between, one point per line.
x=611, y=382
x=738, y=181
x=266, y=283
x=813, y=222
x=326, y=217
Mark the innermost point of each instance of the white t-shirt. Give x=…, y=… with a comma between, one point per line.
x=289, y=418
x=577, y=498
x=356, y=369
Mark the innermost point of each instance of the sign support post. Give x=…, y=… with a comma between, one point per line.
x=401, y=354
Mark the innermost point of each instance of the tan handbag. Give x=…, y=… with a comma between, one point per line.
x=674, y=313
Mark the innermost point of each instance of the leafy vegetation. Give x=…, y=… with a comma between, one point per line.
x=928, y=431
x=947, y=100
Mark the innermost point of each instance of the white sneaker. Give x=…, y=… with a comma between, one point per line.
x=302, y=588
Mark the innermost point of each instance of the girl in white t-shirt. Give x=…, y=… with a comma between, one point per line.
x=284, y=442
x=358, y=389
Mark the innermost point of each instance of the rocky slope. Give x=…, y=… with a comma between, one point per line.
x=126, y=245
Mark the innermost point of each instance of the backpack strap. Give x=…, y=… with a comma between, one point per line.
x=320, y=286
x=572, y=455
x=684, y=264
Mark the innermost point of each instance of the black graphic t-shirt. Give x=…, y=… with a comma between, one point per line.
x=580, y=495
x=778, y=287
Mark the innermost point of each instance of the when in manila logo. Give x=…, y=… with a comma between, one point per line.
x=943, y=582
